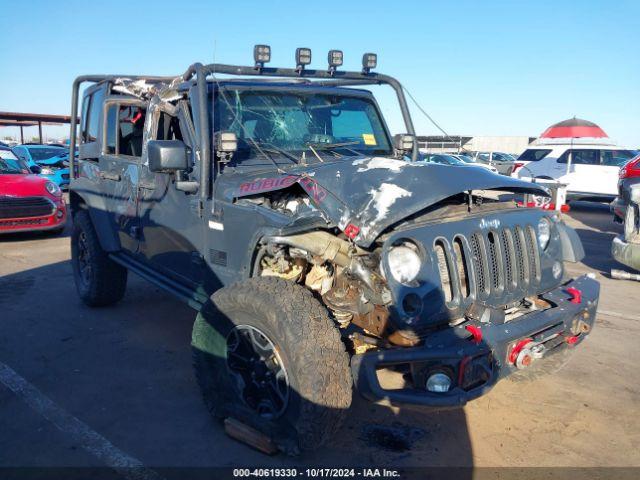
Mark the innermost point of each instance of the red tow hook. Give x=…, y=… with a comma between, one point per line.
x=571, y=340
x=476, y=333
x=517, y=348
x=576, y=295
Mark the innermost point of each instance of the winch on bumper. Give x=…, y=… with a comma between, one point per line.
x=474, y=356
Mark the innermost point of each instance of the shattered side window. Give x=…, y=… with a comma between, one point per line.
x=295, y=121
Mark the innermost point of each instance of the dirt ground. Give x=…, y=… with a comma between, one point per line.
x=124, y=374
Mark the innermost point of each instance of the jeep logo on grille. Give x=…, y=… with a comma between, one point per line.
x=486, y=224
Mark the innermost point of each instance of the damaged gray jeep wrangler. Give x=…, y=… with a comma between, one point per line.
x=321, y=254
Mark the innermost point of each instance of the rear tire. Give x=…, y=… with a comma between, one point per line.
x=305, y=344
x=99, y=280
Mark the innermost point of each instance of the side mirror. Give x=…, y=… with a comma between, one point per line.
x=35, y=169
x=167, y=156
x=403, y=143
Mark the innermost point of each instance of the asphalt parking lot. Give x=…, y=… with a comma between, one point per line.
x=93, y=387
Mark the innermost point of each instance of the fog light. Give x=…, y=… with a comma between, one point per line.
x=438, y=383
x=59, y=213
x=557, y=270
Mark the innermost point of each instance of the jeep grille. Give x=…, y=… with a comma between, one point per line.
x=487, y=264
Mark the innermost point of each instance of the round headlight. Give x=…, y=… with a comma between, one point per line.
x=46, y=171
x=544, y=233
x=53, y=189
x=404, y=263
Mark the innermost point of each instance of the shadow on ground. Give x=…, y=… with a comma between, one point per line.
x=126, y=372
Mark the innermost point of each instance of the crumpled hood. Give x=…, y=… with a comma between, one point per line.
x=374, y=193
x=57, y=161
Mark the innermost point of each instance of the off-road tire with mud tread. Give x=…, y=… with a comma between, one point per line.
x=108, y=280
x=309, y=344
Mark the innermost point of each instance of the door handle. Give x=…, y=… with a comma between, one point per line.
x=110, y=176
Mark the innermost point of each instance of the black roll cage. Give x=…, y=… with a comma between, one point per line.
x=200, y=73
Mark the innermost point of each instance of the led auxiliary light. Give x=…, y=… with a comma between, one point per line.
x=335, y=59
x=261, y=55
x=303, y=58
x=369, y=62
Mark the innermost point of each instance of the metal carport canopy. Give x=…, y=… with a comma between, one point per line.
x=16, y=119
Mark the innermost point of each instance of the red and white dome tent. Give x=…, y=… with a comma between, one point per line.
x=574, y=128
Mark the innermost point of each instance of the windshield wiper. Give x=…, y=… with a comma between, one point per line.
x=334, y=146
x=271, y=147
x=266, y=155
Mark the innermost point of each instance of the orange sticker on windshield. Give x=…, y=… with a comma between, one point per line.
x=369, y=139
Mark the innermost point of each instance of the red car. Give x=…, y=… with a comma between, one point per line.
x=28, y=202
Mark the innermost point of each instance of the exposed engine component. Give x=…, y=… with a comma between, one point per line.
x=320, y=244
x=341, y=273
x=319, y=278
x=286, y=202
x=281, y=267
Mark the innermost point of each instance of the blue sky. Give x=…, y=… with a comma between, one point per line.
x=479, y=68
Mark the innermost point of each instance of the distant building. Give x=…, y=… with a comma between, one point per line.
x=456, y=143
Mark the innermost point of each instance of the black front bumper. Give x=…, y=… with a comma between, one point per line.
x=455, y=351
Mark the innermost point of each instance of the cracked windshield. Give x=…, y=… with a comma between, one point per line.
x=300, y=126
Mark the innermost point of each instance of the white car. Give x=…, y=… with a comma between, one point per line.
x=589, y=167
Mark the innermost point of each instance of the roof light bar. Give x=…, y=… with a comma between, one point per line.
x=261, y=55
x=335, y=59
x=303, y=58
x=369, y=62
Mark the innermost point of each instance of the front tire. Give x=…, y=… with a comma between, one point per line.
x=296, y=346
x=99, y=280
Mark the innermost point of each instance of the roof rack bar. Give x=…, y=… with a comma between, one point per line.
x=200, y=71
x=338, y=77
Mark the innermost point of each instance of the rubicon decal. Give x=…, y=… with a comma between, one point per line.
x=315, y=191
x=267, y=184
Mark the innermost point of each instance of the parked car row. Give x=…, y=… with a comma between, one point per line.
x=503, y=162
x=455, y=160
x=497, y=162
x=53, y=161
x=28, y=201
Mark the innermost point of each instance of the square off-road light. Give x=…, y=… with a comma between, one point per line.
x=226, y=142
x=404, y=142
x=335, y=58
x=261, y=54
x=369, y=62
x=303, y=57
